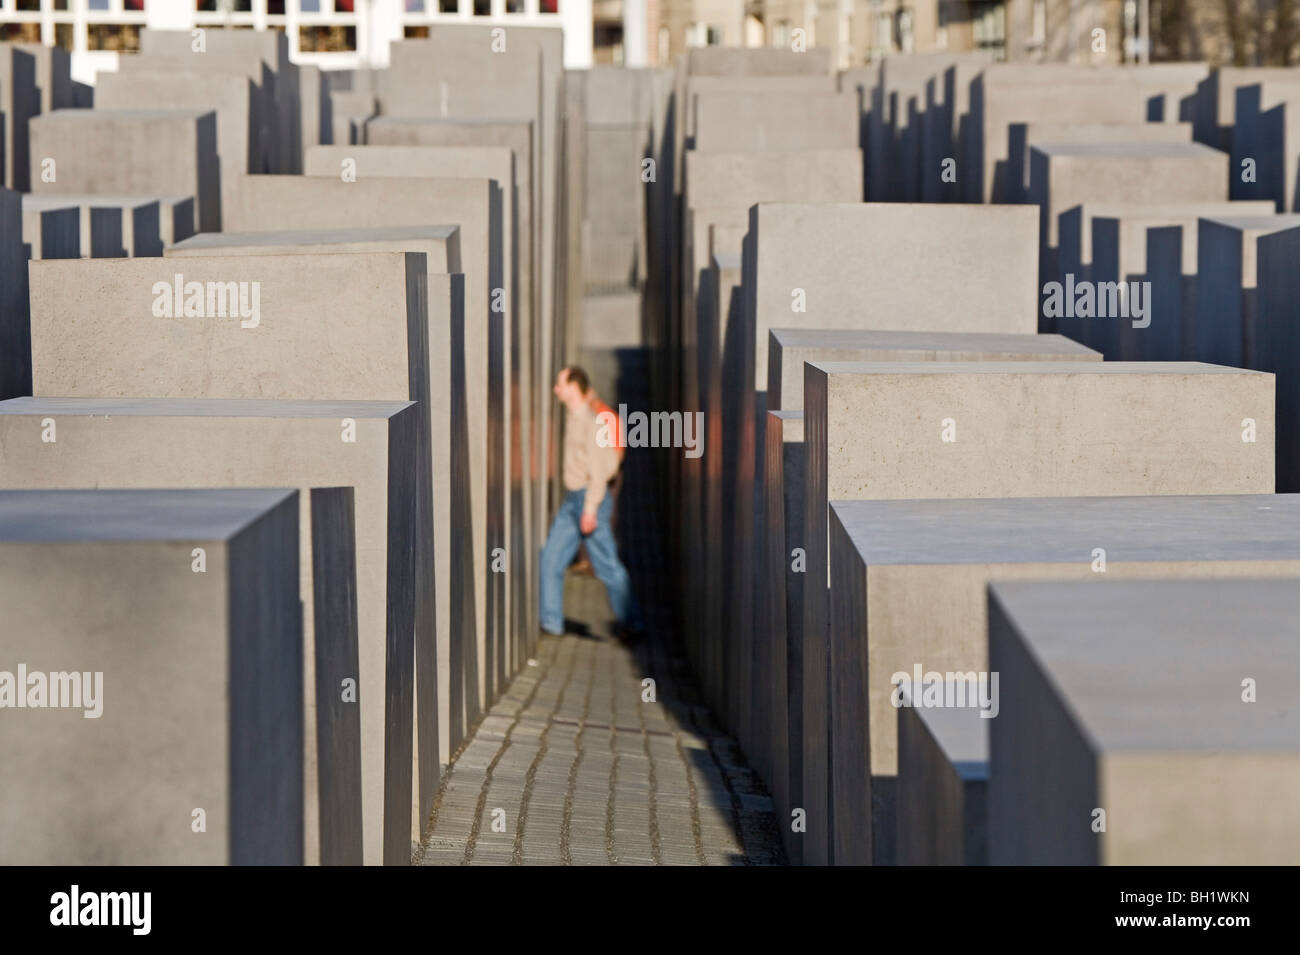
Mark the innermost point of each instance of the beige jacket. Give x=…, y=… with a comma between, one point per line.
x=586, y=463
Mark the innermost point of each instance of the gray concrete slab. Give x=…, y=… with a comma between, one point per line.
x=725, y=185
x=774, y=122
x=456, y=73
x=781, y=614
x=716, y=472
x=306, y=344
x=1032, y=429
x=943, y=775
x=756, y=61
x=1129, y=697
x=1216, y=102
x=518, y=137
x=510, y=514
x=250, y=65
x=335, y=644
x=892, y=557
x=916, y=109
x=106, y=226
x=916, y=267
x=1007, y=93
x=189, y=693
x=1276, y=347
x=1125, y=243
x=53, y=75
x=789, y=348
x=452, y=567
x=350, y=111
x=1064, y=175
x=147, y=443
x=272, y=46
x=237, y=101
x=51, y=228
x=1024, y=135
x=311, y=202
x=99, y=152
x=892, y=265
x=15, y=318
x=314, y=100
x=1267, y=133
x=1228, y=286
x=19, y=102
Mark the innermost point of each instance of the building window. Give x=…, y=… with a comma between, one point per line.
x=782, y=33
x=883, y=35
x=989, y=28
x=903, y=39
x=1038, y=31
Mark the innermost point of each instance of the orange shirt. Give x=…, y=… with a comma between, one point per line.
x=615, y=426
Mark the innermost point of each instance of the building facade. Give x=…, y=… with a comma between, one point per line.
x=332, y=34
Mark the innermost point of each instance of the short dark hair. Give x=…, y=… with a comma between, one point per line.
x=578, y=376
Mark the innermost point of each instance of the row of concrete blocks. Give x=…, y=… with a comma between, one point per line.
x=1012, y=271
x=309, y=302
x=464, y=391
x=466, y=304
x=374, y=185
x=918, y=112
x=200, y=421
x=877, y=427
x=152, y=686
x=751, y=126
x=1144, y=258
x=34, y=79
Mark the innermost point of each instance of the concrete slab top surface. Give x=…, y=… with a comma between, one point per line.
x=204, y=407
x=963, y=735
x=133, y=515
x=221, y=240
x=1125, y=150
x=787, y=415
x=727, y=260
x=1065, y=529
x=933, y=341
x=1159, y=665
x=1267, y=223
x=134, y=115
x=1026, y=368
x=450, y=120
x=1168, y=210
x=33, y=202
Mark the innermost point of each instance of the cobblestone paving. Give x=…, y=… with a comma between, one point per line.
x=573, y=767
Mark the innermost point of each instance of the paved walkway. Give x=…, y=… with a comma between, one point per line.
x=582, y=762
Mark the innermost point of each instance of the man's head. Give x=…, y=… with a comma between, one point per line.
x=572, y=386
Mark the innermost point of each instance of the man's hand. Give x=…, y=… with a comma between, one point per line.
x=588, y=523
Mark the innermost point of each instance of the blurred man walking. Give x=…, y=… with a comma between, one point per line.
x=589, y=466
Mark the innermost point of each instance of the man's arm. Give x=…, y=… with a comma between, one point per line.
x=602, y=465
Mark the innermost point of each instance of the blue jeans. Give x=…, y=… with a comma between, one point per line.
x=561, y=546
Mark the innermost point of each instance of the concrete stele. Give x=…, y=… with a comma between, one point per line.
x=1130, y=697
x=908, y=583
x=1005, y=429
x=196, y=678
